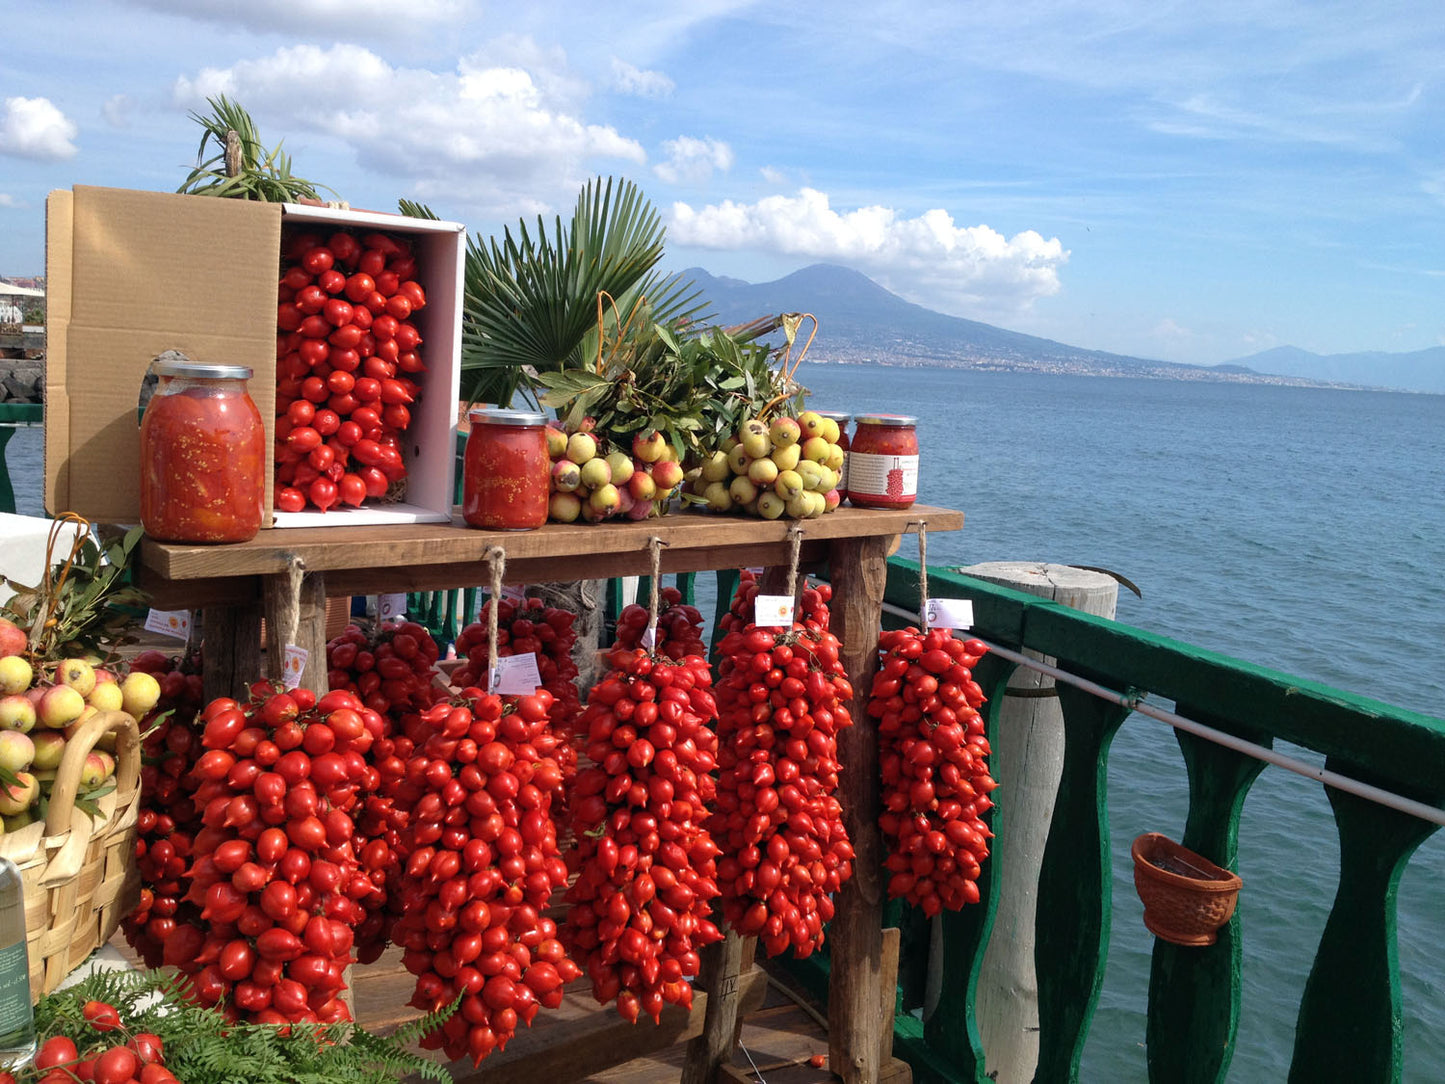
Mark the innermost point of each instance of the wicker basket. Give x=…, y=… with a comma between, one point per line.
x=80, y=875
x=1186, y=897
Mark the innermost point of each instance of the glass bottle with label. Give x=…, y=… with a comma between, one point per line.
x=17, y=1018
x=883, y=462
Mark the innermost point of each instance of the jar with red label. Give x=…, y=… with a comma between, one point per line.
x=842, y=420
x=203, y=455
x=506, y=470
x=883, y=462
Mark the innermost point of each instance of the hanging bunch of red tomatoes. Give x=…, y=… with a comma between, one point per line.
x=480, y=860
x=933, y=757
x=526, y=625
x=347, y=366
x=782, y=698
x=168, y=820
x=812, y=604
x=645, y=863
x=679, y=627
x=275, y=869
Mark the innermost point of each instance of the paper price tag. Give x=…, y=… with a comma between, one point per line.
x=771, y=611
x=390, y=608
x=649, y=638
x=293, y=665
x=949, y=613
x=515, y=593
x=516, y=675
x=175, y=623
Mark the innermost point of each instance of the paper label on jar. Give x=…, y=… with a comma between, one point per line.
x=892, y=477
x=843, y=473
x=175, y=623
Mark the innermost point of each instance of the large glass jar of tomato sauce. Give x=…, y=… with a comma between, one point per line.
x=202, y=454
x=883, y=462
x=506, y=470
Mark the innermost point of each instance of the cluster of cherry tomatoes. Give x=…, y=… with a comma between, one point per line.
x=645, y=863
x=346, y=366
x=480, y=860
x=679, y=627
x=125, y=1058
x=782, y=698
x=933, y=758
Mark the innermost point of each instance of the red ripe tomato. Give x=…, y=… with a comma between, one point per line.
x=57, y=1050
x=116, y=1066
x=352, y=489
x=318, y=259
x=100, y=1015
x=290, y=499
x=323, y=493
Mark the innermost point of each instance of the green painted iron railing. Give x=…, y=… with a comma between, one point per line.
x=1350, y=1014
x=13, y=416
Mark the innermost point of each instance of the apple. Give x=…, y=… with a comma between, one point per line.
x=649, y=448
x=104, y=676
x=12, y=639
x=832, y=499
x=92, y=772
x=17, y=751
x=813, y=424
x=139, y=693
x=641, y=486
x=17, y=799
x=742, y=490
x=836, y=458
x=49, y=748
x=811, y=474
x=556, y=442
x=596, y=472
x=581, y=447
x=831, y=432
x=738, y=461
x=59, y=707
x=788, y=485
x=715, y=468
x=784, y=432
x=106, y=696
x=605, y=499
x=669, y=474
x=816, y=449
x=770, y=505
x=717, y=497
x=753, y=438
x=566, y=476
x=641, y=510
x=787, y=457
x=620, y=464
x=564, y=507
x=17, y=713
x=78, y=674
x=15, y=675
x=16, y=821
x=763, y=472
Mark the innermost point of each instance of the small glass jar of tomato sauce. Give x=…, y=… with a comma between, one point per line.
x=883, y=462
x=843, y=420
x=202, y=455
x=506, y=470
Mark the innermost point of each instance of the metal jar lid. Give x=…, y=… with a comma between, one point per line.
x=839, y=416
x=504, y=416
x=200, y=370
x=897, y=421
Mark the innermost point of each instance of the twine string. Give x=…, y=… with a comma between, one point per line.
x=795, y=551
x=496, y=558
x=295, y=573
x=654, y=545
x=923, y=574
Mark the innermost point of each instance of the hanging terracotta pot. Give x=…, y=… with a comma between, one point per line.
x=1186, y=897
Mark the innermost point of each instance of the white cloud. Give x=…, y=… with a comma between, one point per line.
x=117, y=110
x=643, y=84
x=772, y=175
x=1170, y=330
x=693, y=160
x=7, y=200
x=500, y=136
x=960, y=269
x=34, y=128
x=337, y=18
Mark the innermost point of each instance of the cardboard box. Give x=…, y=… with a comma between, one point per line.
x=131, y=274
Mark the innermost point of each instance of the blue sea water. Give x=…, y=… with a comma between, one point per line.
x=1301, y=529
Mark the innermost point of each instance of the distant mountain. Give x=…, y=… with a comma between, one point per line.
x=861, y=321
x=1421, y=370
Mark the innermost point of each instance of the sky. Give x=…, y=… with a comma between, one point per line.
x=1175, y=180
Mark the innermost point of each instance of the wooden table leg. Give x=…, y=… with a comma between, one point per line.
x=855, y=1025
x=721, y=965
x=307, y=609
x=231, y=652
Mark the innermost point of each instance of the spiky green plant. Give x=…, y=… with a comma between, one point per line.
x=241, y=167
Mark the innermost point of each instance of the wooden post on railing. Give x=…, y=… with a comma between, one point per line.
x=1027, y=761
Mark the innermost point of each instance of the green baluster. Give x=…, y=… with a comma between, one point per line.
x=1350, y=1020
x=1074, y=901
x=1194, y=992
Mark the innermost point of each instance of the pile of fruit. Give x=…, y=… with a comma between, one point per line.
x=679, y=627
x=591, y=483
x=790, y=467
x=933, y=758
x=347, y=367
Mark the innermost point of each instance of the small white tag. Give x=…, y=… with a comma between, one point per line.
x=516, y=675
x=390, y=608
x=949, y=613
x=293, y=665
x=175, y=623
x=515, y=593
x=771, y=611
x=649, y=638
x=755, y=571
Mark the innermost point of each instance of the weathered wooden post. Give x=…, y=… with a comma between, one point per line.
x=1027, y=762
